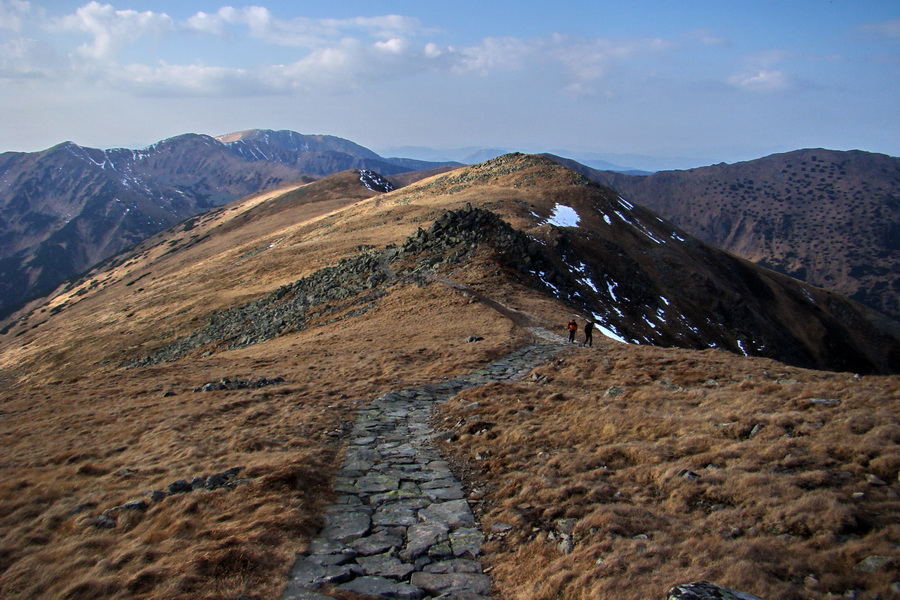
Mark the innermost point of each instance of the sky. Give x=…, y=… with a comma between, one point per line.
x=694, y=81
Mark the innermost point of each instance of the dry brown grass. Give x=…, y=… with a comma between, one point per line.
x=781, y=507
x=76, y=447
x=767, y=511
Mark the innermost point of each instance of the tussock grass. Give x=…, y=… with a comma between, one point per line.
x=630, y=469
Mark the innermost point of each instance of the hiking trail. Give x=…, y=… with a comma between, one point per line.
x=400, y=526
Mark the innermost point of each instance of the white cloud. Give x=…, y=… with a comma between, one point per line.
x=198, y=80
x=707, y=38
x=113, y=29
x=13, y=14
x=261, y=24
x=765, y=80
x=885, y=29
x=763, y=74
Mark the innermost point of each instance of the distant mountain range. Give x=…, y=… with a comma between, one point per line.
x=67, y=208
x=521, y=230
x=606, y=161
x=827, y=217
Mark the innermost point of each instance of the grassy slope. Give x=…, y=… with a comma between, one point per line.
x=73, y=420
x=595, y=450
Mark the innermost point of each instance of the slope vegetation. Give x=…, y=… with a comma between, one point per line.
x=331, y=294
x=830, y=218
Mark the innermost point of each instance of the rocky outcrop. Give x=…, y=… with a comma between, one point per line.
x=225, y=479
x=704, y=590
x=354, y=285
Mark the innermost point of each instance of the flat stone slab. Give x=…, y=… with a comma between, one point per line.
x=382, y=587
x=346, y=525
x=453, y=513
x=385, y=565
x=443, y=583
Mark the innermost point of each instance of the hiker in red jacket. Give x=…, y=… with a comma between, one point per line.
x=572, y=327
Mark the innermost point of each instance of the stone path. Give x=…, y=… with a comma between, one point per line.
x=401, y=527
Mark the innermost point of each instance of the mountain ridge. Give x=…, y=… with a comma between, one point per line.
x=66, y=208
x=831, y=218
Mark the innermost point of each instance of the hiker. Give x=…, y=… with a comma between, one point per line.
x=572, y=327
x=589, y=334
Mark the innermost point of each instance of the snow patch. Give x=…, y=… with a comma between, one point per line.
x=374, y=181
x=607, y=330
x=564, y=216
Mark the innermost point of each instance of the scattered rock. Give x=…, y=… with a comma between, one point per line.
x=824, y=401
x=238, y=384
x=689, y=475
x=101, y=522
x=874, y=563
x=474, y=338
x=179, y=487
x=704, y=590
x=872, y=479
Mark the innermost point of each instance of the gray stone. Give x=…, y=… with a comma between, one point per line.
x=704, y=590
x=445, y=493
x=381, y=587
x=306, y=572
x=453, y=513
x=873, y=564
x=396, y=513
x=384, y=565
x=346, y=525
x=101, y=522
x=324, y=545
x=824, y=401
x=442, y=583
x=456, y=565
x=296, y=592
x=375, y=482
x=376, y=543
x=466, y=541
x=422, y=536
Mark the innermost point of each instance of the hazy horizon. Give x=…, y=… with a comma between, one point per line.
x=705, y=81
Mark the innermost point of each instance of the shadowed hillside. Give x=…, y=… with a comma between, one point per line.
x=826, y=217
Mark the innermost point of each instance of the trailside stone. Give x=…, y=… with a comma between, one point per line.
x=873, y=564
x=704, y=590
x=376, y=543
x=422, y=536
x=381, y=587
x=296, y=592
x=384, y=565
x=466, y=541
x=442, y=583
x=347, y=525
x=453, y=513
x=456, y=565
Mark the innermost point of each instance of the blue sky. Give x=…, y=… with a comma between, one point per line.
x=711, y=81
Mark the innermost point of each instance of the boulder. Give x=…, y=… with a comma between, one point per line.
x=704, y=590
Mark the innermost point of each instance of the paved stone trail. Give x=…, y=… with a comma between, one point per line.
x=401, y=527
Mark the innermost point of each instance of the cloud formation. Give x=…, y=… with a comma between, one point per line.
x=113, y=29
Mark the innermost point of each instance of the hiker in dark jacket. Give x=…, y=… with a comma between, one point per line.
x=589, y=334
